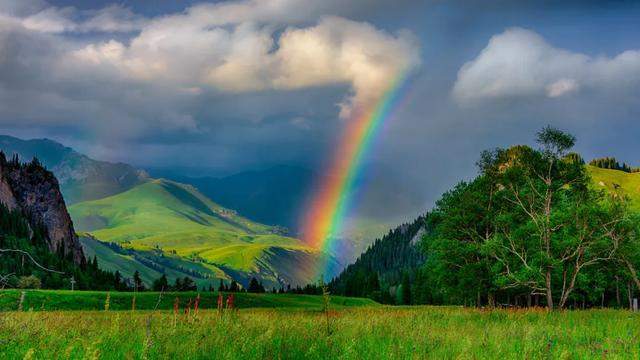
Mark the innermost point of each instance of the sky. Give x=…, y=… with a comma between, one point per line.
x=222, y=87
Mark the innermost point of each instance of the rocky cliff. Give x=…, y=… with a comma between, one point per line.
x=34, y=191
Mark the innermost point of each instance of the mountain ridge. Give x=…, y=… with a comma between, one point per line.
x=80, y=177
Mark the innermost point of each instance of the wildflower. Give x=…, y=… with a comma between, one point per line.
x=187, y=310
x=176, y=306
x=220, y=302
x=230, y=301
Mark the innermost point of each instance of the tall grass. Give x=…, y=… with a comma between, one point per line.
x=357, y=333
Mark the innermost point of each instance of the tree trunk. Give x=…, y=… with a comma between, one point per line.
x=548, y=290
x=617, y=291
x=491, y=299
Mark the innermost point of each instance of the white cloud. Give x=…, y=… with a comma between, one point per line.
x=561, y=87
x=520, y=63
x=50, y=19
x=192, y=51
x=113, y=18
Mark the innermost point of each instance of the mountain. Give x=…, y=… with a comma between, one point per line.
x=34, y=192
x=162, y=224
x=274, y=196
x=81, y=178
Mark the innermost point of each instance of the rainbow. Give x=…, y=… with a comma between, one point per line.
x=327, y=209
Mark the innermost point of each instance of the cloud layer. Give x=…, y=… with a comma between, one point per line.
x=190, y=51
x=144, y=74
x=520, y=63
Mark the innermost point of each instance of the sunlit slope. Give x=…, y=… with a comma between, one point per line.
x=608, y=179
x=173, y=219
x=150, y=264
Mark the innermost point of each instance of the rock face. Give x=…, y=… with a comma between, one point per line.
x=32, y=189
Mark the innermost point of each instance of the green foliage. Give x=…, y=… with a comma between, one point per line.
x=255, y=286
x=529, y=225
x=29, y=282
x=161, y=284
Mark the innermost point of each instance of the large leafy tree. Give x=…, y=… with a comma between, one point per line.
x=529, y=223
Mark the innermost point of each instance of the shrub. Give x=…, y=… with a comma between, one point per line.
x=29, y=282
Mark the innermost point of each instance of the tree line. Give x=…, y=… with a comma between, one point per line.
x=612, y=163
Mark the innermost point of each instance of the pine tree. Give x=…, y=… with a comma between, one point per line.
x=406, y=289
x=137, y=282
x=161, y=284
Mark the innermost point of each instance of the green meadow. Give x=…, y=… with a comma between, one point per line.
x=369, y=332
x=57, y=300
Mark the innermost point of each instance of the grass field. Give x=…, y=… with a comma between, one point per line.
x=352, y=333
x=38, y=300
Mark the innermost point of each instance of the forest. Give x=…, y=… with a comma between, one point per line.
x=529, y=230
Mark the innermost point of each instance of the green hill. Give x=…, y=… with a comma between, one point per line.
x=609, y=179
x=166, y=226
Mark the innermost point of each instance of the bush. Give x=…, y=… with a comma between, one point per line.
x=29, y=282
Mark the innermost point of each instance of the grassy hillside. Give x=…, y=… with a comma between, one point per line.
x=164, y=224
x=608, y=179
x=95, y=300
x=273, y=196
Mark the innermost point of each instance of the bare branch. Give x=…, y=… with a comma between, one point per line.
x=31, y=258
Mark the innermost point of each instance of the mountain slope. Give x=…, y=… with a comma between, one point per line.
x=81, y=178
x=165, y=221
x=381, y=267
x=278, y=196
x=273, y=196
